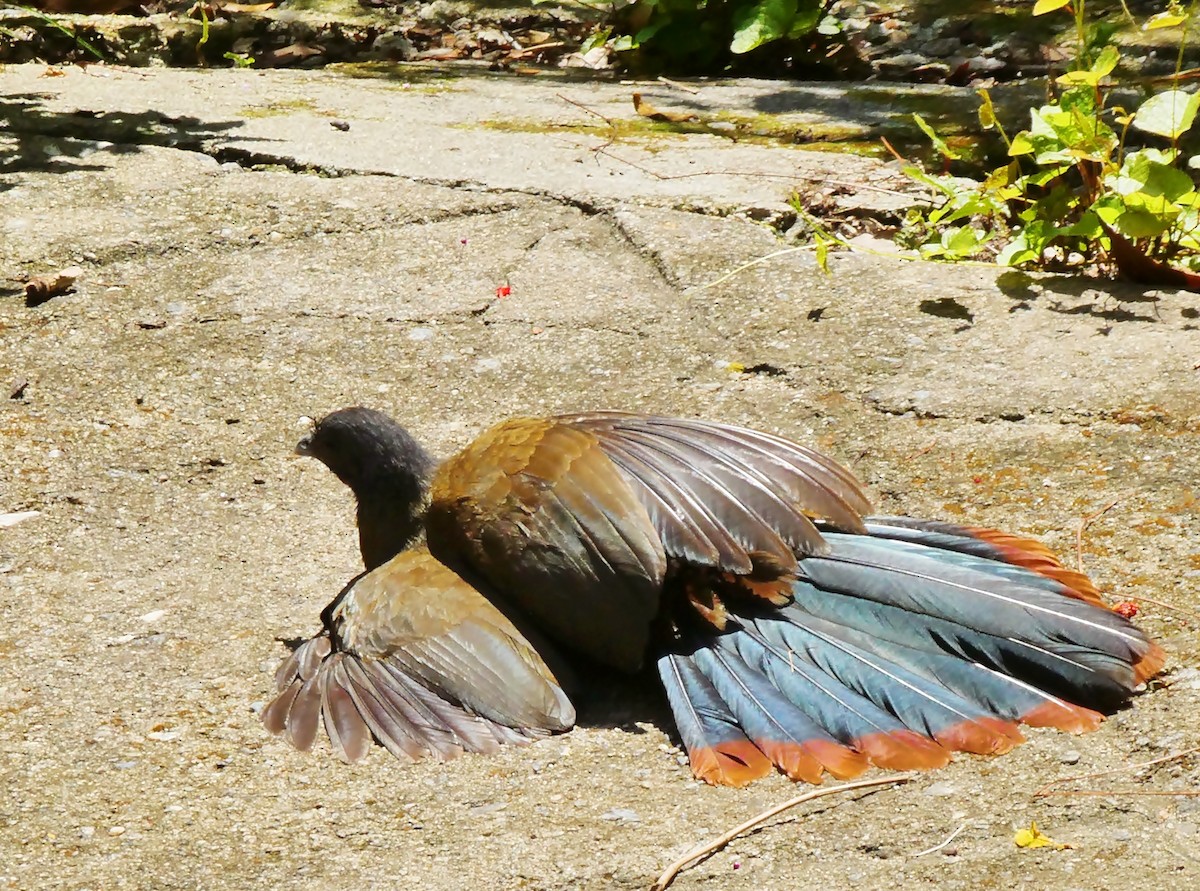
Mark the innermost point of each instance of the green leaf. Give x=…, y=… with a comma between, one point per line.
x=761, y=23
x=1044, y=6
x=1088, y=226
x=963, y=241
x=1021, y=145
x=938, y=142
x=1170, y=113
x=1015, y=253
x=1150, y=171
x=1141, y=224
x=649, y=31
x=598, y=38
x=1105, y=62
x=822, y=246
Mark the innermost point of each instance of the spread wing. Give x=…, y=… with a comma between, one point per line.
x=581, y=518
x=416, y=657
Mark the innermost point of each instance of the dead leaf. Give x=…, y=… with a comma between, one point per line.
x=41, y=288
x=646, y=110
x=437, y=54
x=247, y=7
x=1035, y=838
x=290, y=54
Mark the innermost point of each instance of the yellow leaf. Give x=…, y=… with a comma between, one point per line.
x=987, y=111
x=1168, y=19
x=736, y=367
x=1035, y=838
x=1044, y=6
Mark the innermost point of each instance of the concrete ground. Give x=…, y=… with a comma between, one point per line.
x=246, y=262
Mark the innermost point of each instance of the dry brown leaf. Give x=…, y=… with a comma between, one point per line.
x=645, y=109
x=290, y=54
x=41, y=288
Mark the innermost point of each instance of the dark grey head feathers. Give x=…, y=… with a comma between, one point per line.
x=385, y=467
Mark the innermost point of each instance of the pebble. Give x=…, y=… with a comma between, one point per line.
x=621, y=815
x=941, y=790
x=1070, y=757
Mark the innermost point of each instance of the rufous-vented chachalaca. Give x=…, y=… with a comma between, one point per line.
x=789, y=627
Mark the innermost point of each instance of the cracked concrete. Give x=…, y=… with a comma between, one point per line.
x=177, y=542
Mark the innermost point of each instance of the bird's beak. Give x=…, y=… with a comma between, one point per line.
x=304, y=446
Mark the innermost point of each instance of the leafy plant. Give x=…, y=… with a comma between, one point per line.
x=1072, y=191
x=703, y=35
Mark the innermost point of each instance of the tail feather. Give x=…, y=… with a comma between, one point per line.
x=795, y=743
x=899, y=647
x=846, y=715
x=990, y=544
x=917, y=581
x=979, y=668
x=923, y=706
x=719, y=751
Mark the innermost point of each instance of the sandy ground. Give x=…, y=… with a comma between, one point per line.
x=178, y=543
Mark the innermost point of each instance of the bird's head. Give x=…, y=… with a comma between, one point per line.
x=370, y=453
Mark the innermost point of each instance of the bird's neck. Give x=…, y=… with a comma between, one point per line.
x=390, y=519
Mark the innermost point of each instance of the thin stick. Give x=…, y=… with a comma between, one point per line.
x=606, y=120
x=1113, y=793
x=537, y=47
x=953, y=835
x=1176, y=609
x=1087, y=521
x=790, y=177
x=1042, y=793
x=677, y=85
x=895, y=154
x=716, y=844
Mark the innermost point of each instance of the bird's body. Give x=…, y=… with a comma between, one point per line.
x=789, y=627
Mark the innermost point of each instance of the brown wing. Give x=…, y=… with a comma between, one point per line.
x=538, y=508
x=718, y=493
x=419, y=659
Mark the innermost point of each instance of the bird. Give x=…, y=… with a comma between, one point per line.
x=791, y=629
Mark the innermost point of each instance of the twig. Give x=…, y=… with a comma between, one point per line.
x=536, y=48
x=790, y=177
x=1084, y=522
x=1105, y=793
x=1042, y=792
x=606, y=120
x=738, y=269
x=953, y=835
x=677, y=85
x=1175, y=609
x=698, y=853
x=925, y=450
x=895, y=154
